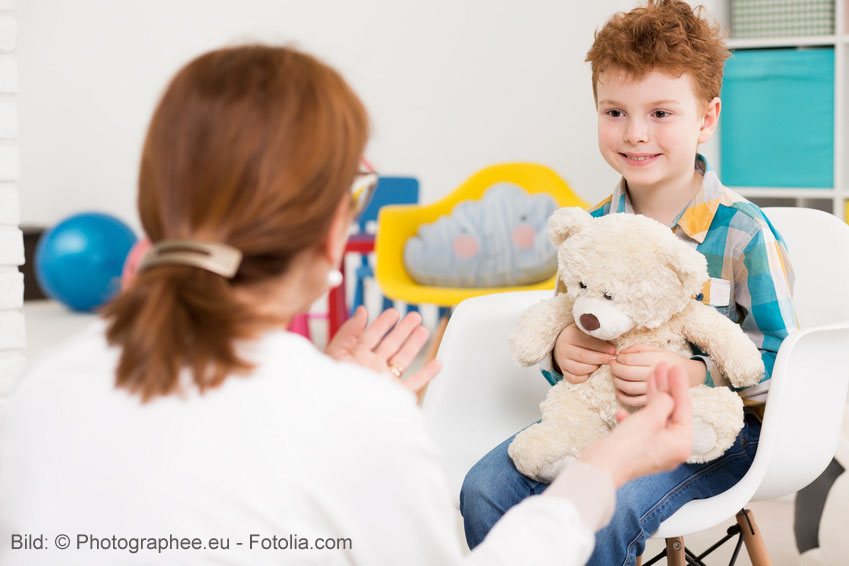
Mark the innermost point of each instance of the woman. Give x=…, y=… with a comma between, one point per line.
x=188, y=426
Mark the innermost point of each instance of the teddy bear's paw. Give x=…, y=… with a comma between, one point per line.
x=717, y=419
x=548, y=472
x=743, y=367
x=712, y=439
x=749, y=374
x=704, y=438
x=536, y=458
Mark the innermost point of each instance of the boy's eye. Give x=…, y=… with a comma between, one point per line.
x=615, y=113
x=660, y=114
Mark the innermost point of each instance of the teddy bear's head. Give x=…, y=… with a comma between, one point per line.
x=624, y=271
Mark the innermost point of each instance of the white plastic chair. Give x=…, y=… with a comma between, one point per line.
x=482, y=397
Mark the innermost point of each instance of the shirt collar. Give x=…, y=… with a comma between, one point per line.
x=695, y=219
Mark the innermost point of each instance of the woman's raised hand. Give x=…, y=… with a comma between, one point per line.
x=385, y=346
x=656, y=438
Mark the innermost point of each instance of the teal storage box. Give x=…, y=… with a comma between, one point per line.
x=777, y=119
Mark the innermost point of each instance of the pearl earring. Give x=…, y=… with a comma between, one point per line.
x=334, y=278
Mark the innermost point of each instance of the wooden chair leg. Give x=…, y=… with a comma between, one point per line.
x=675, y=555
x=433, y=348
x=752, y=538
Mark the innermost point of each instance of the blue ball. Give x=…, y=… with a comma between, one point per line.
x=79, y=261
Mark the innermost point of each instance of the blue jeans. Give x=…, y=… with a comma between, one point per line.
x=493, y=486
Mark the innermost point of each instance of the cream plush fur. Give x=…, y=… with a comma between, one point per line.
x=629, y=280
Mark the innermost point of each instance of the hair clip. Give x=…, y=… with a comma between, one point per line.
x=217, y=258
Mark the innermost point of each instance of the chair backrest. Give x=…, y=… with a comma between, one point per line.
x=389, y=190
x=808, y=391
x=819, y=250
x=482, y=397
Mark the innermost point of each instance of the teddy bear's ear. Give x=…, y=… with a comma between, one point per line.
x=687, y=263
x=566, y=222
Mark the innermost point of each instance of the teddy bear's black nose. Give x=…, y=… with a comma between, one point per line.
x=590, y=322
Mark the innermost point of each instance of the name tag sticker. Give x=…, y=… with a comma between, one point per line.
x=717, y=293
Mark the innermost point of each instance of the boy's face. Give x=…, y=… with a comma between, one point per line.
x=649, y=128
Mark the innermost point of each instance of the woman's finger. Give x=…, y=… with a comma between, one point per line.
x=351, y=329
x=657, y=411
x=372, y=335
x=679, y=390
x=422, y=377
x=395, y=339
x=651, y=382
x=410, y=349
x=662, y=379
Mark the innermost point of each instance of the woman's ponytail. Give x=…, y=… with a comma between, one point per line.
x=173, y=317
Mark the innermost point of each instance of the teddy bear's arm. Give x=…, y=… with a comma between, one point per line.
x=538, y=327
x=734, y=353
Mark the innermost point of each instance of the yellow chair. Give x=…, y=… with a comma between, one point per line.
x=396, y=224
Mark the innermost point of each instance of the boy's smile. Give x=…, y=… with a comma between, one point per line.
x=639, y=159
x=649, y=128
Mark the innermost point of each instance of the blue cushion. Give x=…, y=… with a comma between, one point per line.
x=500, y=240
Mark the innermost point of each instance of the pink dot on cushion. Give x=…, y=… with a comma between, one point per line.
x=466, y=246
x=523, y=236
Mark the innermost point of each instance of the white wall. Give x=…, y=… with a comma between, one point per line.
x=12, y=338
x=451, y=85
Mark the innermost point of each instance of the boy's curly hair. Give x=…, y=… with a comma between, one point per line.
x=664, y=35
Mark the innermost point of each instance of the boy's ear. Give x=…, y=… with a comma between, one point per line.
x=566, y=222
x=710, y=119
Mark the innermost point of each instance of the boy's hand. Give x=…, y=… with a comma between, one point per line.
x=578, y=355
x=632, y=367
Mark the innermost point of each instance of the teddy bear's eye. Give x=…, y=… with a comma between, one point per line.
x=608, y=296
x=581, y=285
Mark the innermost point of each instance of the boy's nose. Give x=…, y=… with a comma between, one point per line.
x=636, y=132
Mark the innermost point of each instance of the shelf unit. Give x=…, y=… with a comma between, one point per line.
x=836, y=198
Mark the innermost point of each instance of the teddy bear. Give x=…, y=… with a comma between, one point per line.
x=629, y=280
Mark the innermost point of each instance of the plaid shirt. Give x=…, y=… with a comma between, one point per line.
x=751, y=279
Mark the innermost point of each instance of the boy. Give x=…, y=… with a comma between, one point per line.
x=657, y=73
